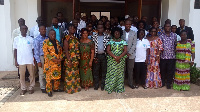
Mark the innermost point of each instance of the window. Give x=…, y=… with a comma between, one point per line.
x=99, y=14
x=1, y=2
x=197, y=4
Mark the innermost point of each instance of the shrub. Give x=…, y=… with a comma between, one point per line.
x=194, y=73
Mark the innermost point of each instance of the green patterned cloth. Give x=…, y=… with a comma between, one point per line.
x=183, y=58
x=85, y=69
x=115, y=71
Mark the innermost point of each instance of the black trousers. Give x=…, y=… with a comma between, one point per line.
x=100, y=64
x=140, y=73
x=167, y=70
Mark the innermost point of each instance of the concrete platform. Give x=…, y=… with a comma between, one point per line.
x=132, y=100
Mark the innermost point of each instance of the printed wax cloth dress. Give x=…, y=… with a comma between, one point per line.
x=183, y=58
x=52, y=70
x=115, y=71
x=153, y=79
x=72, y=76
x=85, y=69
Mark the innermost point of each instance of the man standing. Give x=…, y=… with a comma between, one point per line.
x=167, y=62
x=16, y=33
x=61, y=21
x=39, y=55
x=34, y=32
x=100, y=40
x=23, y=53
x=81, y=23
x=173, y=29
x=189, y=30
x=58, y=30
x=131, y=38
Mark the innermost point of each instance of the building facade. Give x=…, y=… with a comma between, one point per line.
x=12, y=10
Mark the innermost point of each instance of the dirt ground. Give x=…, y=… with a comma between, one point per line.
x=132, y=100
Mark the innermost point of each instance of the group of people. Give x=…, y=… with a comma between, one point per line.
x=85, y=50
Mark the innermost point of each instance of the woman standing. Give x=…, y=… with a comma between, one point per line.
x=87, y=56
x=141, y=59
x=116, y=49
x=72, y=77
x=157, y=26
x=52, y=66
x=185, y=52
x=153, y=69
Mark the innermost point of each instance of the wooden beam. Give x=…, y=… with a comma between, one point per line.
x=73, y=9
x=139, y=9
x=126, y=7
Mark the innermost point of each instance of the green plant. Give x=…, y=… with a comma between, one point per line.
x=194, y=73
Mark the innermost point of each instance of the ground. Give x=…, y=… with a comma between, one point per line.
x=132, y=100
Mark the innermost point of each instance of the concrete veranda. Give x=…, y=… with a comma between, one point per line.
x=132, y=100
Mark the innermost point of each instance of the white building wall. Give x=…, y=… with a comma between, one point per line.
x=194, y=23
x=184, y=9
x=6, y=62
x=10, y=12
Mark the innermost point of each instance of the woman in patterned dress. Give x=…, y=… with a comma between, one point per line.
x=52, y=66
x=116, y=49
x=185, y=52
x=72, y=77
x=153, y=79
x=87, y=56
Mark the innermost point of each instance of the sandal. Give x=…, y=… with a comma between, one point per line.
x=145, y=87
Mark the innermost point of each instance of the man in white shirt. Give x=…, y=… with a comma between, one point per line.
x=23, y=53
x=16, y=33
x=34, y=32
x=81, y=23
x=132, y=27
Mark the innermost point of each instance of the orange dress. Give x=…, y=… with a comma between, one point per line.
x=52, y=70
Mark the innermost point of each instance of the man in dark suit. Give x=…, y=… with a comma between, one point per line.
x=189, y=30
x=58, y=30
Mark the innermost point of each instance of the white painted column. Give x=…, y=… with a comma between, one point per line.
x=194, y=23
x=6, y=60
x=10, y=12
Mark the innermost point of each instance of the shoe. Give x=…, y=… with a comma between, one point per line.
x=43, y=90
x=31, y=91
x=102, y=88
x=132, y=87
x=50, y=94
x=144, y=87
x=168, y=87
x=86, y=88
x=96, y=88
x=23, y=92
x=137, y=86
x=59, y=90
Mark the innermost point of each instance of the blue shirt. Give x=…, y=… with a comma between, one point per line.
x=57, y=33
x=100, y=49
x=38, y=44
